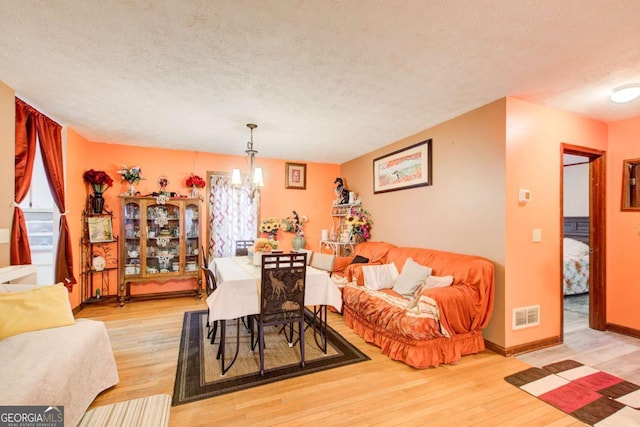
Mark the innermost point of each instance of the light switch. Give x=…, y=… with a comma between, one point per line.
x=4, y=235
x=537, y=235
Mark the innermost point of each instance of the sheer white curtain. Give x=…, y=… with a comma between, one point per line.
x=233, y=216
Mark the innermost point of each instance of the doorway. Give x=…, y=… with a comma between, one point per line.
x=593, y=230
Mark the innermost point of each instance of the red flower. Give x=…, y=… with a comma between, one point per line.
x=95, y=177
x=195, y=181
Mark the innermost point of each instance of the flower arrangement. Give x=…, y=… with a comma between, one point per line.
x=262, y=244
x=99, y=180
x=270, y=225
x=359, y=222
x=131, y=175
x=294, y=223
x=195, y=181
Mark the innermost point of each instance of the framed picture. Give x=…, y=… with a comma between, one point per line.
x=295, y=176
x=100, y=229
x=409, y=167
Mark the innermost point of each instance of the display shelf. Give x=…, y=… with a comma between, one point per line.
x=160, y=239
x=98, y=281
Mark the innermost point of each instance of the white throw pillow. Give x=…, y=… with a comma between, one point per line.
x=431, y=282
x=378, y=277
x=437, y=282
x=574, y=247
x=413, y=275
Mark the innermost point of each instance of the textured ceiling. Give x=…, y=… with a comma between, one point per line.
x=324, y=80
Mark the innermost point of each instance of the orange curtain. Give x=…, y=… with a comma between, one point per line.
x=50, y=137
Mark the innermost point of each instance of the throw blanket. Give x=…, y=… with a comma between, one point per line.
x=414, y=321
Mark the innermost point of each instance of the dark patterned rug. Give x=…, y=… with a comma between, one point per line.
x=198, y=373
x=592, y=396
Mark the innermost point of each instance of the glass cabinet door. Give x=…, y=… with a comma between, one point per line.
x=162, y=239
x=131, y=221
x=192, y=233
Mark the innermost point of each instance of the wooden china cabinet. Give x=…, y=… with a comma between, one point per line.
x=160, y=241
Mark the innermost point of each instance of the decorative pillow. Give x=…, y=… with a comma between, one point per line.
x=40, y=308
x=411, y=278
x=574, y=247
x=378, y=277
x=359, y=260
x=431, y=282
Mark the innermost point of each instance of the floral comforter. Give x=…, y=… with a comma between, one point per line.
x=576, y=274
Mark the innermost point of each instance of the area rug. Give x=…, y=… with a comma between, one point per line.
x=152, y=411
x=592, y=396
x=198, y=373
x=577, y=303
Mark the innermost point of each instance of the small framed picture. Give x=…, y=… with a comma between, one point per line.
x=100, y=229
x=409, y=167
x=296, y=176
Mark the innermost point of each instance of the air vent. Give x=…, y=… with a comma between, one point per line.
x=525, y=317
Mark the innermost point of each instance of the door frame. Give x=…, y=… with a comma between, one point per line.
x=597, y=234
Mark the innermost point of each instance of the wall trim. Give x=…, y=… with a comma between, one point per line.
x=624, y=330
x=523, y=348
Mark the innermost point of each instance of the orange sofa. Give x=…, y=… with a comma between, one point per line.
x=375, y=252
x=444, y=323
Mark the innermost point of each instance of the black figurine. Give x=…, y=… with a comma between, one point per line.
x=342, y=194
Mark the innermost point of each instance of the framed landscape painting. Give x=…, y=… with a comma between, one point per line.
x=296, y=176
x=100, y=229
x=409, y=167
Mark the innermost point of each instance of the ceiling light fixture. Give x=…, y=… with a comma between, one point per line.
x=626, y=93
x=252, y=181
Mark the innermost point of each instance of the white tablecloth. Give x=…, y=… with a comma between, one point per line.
x=239, y=286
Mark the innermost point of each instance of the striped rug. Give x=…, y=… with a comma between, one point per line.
x=592, y=396
x=152, y=411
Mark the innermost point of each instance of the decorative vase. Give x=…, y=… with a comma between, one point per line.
x=132, y=190
x=357, y=238
x=194, y=192
x=97, y=203
x=98, y=263
x=298, y=242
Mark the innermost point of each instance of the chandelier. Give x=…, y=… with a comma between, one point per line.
x=252, y=181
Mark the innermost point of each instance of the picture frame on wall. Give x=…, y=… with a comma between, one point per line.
x=295, y=176
x=408, y=167
x=100, y=229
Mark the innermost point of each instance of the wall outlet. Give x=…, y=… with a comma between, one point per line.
x=4, y=235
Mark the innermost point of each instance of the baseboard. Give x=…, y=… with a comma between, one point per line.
x=522, y=348
x=624, y=330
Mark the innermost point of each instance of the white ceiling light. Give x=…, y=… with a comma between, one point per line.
x=626, y=93
x=253, y=179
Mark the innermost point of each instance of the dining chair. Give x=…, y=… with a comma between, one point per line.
x=204, y=258
x=242, y=247
x=309, y=253
x=282, y=297
x=210, y=281
x=323, y=261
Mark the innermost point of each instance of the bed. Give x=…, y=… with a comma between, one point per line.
x=576, y=255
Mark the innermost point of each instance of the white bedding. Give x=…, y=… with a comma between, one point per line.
x=66, y=366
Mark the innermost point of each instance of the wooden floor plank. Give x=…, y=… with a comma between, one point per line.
x=145, y=336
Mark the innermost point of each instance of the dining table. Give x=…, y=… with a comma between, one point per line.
x=237, y=295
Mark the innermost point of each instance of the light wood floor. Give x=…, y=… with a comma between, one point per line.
x=607, y=351
x=145, y=336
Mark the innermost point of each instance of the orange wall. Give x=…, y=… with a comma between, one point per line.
x=7, y=164
x=534, y=137
x=177, y=165
x=463, y=211
x=623, y=230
